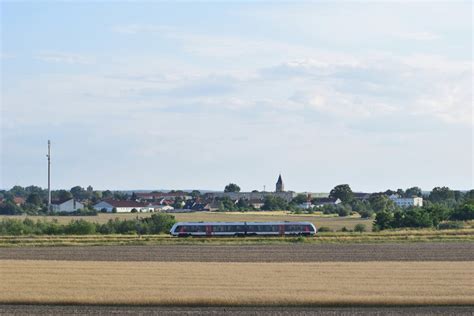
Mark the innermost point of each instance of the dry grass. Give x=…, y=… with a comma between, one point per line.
x=415, y=235
x=177, y=283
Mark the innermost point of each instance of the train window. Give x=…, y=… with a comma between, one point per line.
x=178, y=228
x=218, y=228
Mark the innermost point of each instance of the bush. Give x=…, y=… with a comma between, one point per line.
x=134, y=210
x=360, y=228
x=324, y=229
x=343, y=212
x=80, y=227
x=383, y=220
x=10, y=208
x=463, y=213
x=159, y=223
x=344, y=229
x=366, y=213
x=451, y=225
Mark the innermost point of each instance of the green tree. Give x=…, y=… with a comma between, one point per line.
x=78, y=192
x=195, y=193
x=159, y=223
x=107, y=194
x=178, y=202
x=232, y=187
x=18, y=191
x=464, y=212
x=414, y=217
x=243, y=205
x=342, y=192
x=62, y=195
x=343, y=210
x=413, y=191
x=9, y=208
x=273, y=203
x=383, y=220
x=441, y=194
x=226, y=204
x=299, y=199
x=118, y=195
x=34, y=199
x=381, y=203
x=367, y=213
x=469, y=196
x=437, y=213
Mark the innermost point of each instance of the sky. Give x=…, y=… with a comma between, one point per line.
x=161, y=95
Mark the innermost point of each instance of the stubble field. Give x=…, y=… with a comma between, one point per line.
x=210, y=283
x=284, y=279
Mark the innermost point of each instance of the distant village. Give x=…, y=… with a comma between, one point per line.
x=230, y=199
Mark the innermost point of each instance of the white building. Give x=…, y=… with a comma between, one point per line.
x=319, y=202
x=161, y=207
x=406, y=202
x=70, y=205
x=122, y=206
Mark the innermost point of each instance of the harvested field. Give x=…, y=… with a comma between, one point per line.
x=233, y=311
x=207, y=284
x=251, y=253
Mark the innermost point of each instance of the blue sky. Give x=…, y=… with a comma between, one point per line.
x=147, y=95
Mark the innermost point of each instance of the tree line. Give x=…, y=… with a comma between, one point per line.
x=156, y=224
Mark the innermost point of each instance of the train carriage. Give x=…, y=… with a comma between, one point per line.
x=210, y=229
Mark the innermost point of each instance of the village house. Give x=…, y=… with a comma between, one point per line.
x=19, y=200
x=69, y=205
x=319, y=202
x=406, y=202
x=122, y=206
x=256, y=203
x=162, y=196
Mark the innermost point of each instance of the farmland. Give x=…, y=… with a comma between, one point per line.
x=44, y=309
x=237, y=283
x=325, y=252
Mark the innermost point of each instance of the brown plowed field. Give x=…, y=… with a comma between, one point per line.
x=234, y=311
x=254, y=253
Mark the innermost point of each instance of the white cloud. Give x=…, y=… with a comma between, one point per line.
x=417, y=36
x=64, y=57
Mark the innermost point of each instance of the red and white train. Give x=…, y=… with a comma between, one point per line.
x=183, y=229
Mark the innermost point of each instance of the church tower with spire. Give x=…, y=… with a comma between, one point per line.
x=280, y=187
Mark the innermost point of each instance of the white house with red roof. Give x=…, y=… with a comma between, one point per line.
x=122, y=206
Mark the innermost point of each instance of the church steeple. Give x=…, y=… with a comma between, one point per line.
x=280, y=187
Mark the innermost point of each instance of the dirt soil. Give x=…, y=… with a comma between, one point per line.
x=463, y=251
x=234, y=311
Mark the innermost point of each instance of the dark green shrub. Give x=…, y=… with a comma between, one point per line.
x=366, y=213
x=451, y=225
x=360, y=228
x=80, y=227
x=324, y=229
x=463, y=213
